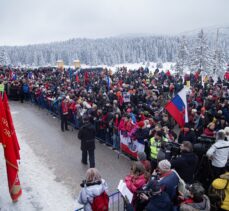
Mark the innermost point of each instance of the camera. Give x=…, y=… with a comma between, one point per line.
x=172, y=149
x=203, y=144
x=146, y=192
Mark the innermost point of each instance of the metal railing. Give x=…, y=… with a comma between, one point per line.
x=116, y=202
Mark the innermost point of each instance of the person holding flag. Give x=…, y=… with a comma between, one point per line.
x=177, y=107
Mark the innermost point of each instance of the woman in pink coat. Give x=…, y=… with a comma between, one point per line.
x=137, y=178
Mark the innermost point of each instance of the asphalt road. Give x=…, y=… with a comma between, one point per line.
x=60, y=151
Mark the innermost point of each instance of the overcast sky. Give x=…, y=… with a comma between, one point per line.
x=38, y=21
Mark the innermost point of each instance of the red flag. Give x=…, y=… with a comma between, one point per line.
x=77, y=78
x=10, y=156
x=86, y=78
x=11, y=126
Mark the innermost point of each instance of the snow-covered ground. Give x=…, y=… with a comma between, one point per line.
x=151, y=65
x=40, y=190
x=130, y=66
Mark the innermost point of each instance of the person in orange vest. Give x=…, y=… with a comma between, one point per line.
x=64, y=114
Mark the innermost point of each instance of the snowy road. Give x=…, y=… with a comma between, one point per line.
x=50, y=168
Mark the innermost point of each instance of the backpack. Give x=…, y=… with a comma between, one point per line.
x=101, y=202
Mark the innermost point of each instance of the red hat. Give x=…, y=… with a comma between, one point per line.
x=141, y=124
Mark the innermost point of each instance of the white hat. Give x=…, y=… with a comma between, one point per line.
x=164, y=165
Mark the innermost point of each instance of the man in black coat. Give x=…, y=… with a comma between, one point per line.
x=87, y=136
x=186, y=163
x=187, y=134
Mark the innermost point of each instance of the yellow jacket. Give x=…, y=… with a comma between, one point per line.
x=222, y=183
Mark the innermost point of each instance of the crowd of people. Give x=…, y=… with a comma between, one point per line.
x=131, y=104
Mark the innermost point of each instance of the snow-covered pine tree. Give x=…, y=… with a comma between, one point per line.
x=4, y=57
x=182, y=55
x=201, y=57
x=218, y=58
x=159, y=64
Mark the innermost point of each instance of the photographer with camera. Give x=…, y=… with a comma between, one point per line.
x=185, y=164
x=168, y=179
x=153, y=198
x=219, y=154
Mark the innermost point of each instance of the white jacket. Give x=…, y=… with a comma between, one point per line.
x=87, y=194
x=219, y=153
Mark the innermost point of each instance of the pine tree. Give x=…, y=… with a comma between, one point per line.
x=4, y=57
x=52, y=58
x=201, y=57
x=159, y=64
x=218, y=58
x=182, y=56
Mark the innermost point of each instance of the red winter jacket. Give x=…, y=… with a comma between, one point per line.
x=208, y=132
x=64, y=107
x=226, y=76
x=134, y=183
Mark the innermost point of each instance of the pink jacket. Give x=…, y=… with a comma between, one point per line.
x=135, y=183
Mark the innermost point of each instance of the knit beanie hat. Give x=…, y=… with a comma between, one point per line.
x=164, y=165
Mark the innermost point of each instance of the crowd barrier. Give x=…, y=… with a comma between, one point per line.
x=121, y=143
x=116, y=202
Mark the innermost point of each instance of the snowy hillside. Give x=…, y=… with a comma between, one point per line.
x=114, y=50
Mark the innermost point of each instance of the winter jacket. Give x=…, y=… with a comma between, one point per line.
x=160, y=202
x=185, y=165
x=141, y=134
x=169, y=182
x=122, y=125
x=201, y=206
x=219, y=153
x=135, y=183
x=209, y=132
x=226, y=76
x=64, y=108
x=187, y=136
x=87, y=194
x=222, y=183
x=87, y=136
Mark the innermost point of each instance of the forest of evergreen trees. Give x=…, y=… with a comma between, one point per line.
x=195, y=50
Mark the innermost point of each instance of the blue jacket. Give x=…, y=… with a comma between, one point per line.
x=159, y=202
x=169, y=184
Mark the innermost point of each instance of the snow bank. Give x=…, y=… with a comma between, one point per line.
x=40, y=190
